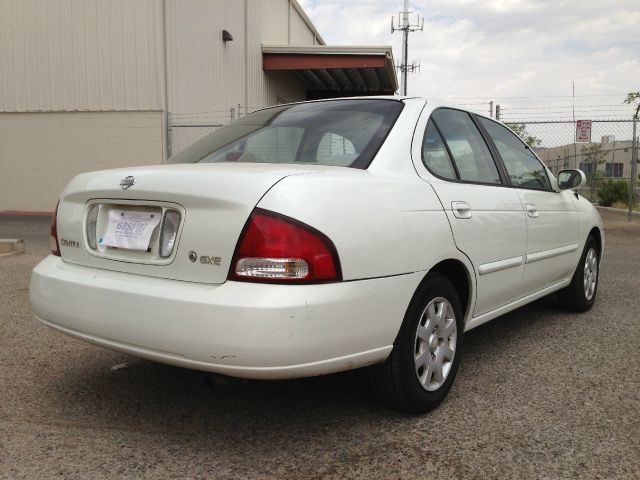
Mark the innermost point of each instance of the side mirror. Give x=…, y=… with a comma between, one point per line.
x=571, y=179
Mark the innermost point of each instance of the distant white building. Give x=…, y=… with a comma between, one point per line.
x=92, y=84
x=613, y=158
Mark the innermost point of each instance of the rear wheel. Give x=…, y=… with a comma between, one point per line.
x=422, y=366
x=580, y=295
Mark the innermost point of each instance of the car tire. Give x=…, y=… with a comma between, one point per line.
x=421, y=368
x=580, y=294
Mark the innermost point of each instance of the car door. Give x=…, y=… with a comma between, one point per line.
x=551, y=216
x=487, y=218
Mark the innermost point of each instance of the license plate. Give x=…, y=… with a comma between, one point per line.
x=130, y=229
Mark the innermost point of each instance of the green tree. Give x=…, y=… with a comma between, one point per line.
x=633, y=98
x=595, y=155
x=520, y=129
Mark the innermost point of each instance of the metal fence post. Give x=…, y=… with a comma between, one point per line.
x=232, y=113
x=594, y=174
x=634, y=166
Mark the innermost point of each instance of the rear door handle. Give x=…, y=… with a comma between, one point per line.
x=461, y=209
x=532, y=210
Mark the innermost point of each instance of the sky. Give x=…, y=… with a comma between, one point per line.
x=517, y=52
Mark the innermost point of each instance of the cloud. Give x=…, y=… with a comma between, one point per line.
x=500, y=48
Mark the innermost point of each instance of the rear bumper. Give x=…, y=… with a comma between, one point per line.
x=238, y=329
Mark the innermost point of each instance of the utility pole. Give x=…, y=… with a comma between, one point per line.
x=634, y=164
x=491, y=109
x=498, y=112
x=404, y=24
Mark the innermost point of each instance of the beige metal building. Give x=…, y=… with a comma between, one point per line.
x=93, y=84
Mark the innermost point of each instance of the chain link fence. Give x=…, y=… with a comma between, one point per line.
x=187, y=128
x=549, y=126
x=607, y=158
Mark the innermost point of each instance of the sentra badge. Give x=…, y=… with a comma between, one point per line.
x=69, y=243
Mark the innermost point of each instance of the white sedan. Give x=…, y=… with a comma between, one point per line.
x=316, y=237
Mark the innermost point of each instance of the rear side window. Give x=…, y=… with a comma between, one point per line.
x=345, y=133
x=469, y=150
x=523, y=168
x=434, y=153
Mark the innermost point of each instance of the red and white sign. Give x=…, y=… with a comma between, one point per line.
x=583, y=130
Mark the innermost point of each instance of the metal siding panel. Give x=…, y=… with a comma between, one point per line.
x=7, y=96
x=41, y=152
x=78, y=54
x=67, y=55
x=206, y=75
x=300, y=32
x=268, y=24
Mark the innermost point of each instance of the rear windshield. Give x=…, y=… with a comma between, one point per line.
x=344, y=133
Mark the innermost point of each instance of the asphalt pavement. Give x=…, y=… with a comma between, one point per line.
x=541, y=393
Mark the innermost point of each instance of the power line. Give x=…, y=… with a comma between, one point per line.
x=564, y=106
x=536, y=97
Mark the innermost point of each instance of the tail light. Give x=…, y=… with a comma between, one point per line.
x=279, y=249
x=55, y=246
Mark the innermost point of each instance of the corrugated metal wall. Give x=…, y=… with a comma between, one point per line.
x=108, y=55
x=300, y=33
x=267, y=23
x=41, y=152
x=68, y=55
x=206, y=75
x=221, y=75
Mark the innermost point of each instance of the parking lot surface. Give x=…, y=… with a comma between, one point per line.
x=540, y=394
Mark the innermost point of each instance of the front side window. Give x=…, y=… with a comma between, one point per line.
x=345, y=133
x=468, y=149
x=523, y=168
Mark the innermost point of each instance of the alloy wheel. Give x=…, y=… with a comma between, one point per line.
x=590, y=273
x=435, y=343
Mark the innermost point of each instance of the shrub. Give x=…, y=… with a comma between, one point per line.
x=612, y=191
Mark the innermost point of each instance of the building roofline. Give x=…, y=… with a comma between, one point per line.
x=330, y=49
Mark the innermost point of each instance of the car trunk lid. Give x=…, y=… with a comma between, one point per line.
x=210, y=204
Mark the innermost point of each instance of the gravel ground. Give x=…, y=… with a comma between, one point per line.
x=540, y=394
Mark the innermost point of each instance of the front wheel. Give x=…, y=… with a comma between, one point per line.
x=580, y=295
x=423, y=363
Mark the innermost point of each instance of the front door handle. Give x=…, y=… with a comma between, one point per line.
x=461, y=209
x=532, y=210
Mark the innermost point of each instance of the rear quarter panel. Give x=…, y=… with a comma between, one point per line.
x=381, y=223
